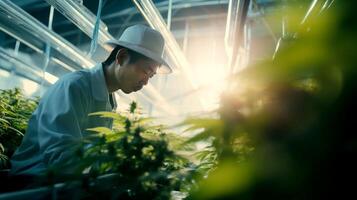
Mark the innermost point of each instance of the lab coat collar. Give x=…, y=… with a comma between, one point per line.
x=99, y=87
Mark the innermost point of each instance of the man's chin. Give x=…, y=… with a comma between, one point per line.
x=137, y=88
x=127, y=91
x=130, y=90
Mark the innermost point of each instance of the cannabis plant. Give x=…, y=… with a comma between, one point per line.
x=286, y=126
x=142, y=158
x=15, y=111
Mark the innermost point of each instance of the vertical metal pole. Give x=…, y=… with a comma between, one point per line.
x=246, y=45
x=94, y=43
x=247, y=36
x=12, y=73
x=185, y=47
x=17, y=46
x=169, y=13
x=185, y=38
x=239, y=20
x=47, y=52
x=160, y=83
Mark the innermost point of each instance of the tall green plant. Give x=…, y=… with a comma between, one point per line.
x=15, y=111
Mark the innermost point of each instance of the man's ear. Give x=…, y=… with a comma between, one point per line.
x=122, y=58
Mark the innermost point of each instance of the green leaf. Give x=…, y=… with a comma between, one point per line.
x=102, y=130
x=3, y=157
x=203, y=123
x=4, y=120
x=17, y=131
x=111, y=115
x=2, y=149
x=145, y=120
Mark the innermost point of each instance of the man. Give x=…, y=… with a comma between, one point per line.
x=61, y=119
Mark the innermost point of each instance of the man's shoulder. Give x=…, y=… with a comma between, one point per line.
x=77, y=82
x=77, y=78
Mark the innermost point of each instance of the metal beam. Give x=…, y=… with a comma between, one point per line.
x=14, y=64
x=176, y=19
x=18, y=23
x=236, y=19
x=164, y=6
x=83, y=19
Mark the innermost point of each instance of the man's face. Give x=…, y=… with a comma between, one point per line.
x=134, y=76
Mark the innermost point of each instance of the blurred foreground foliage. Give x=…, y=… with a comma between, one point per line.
x=287, y=126
x=15, y=111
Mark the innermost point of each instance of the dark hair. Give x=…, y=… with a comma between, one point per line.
x=133, y=56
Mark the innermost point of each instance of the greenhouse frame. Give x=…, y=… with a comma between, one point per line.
x=177, y=99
